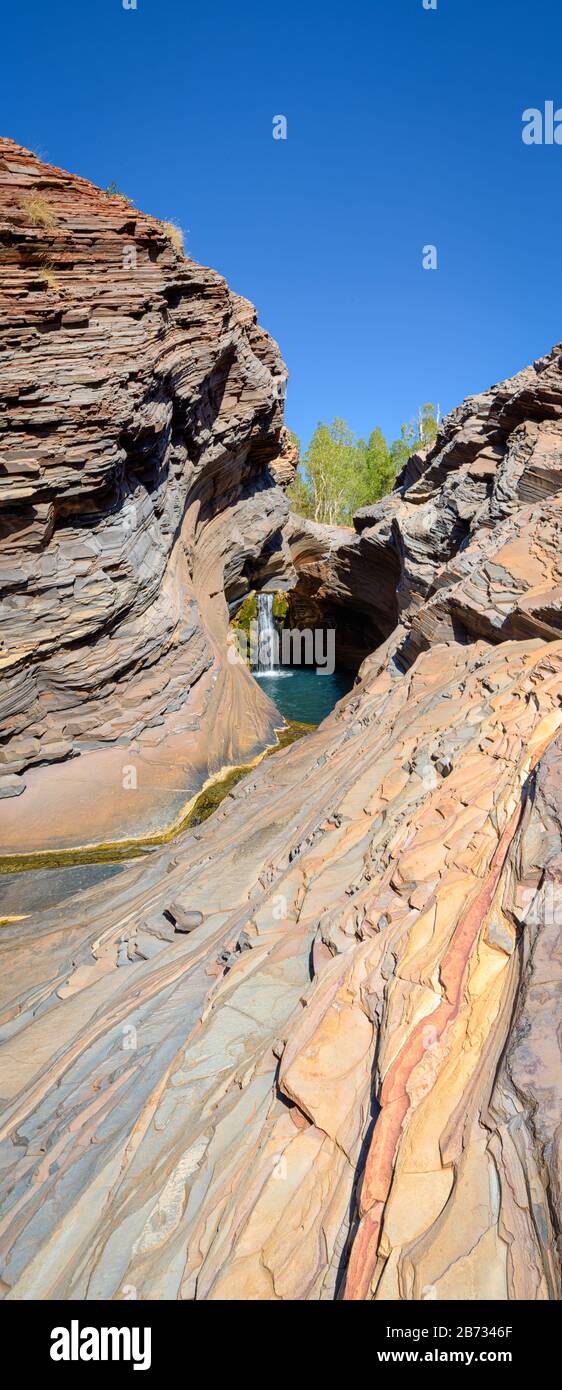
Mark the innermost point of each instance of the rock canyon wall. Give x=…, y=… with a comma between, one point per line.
x=309, y=1050
x=141, y=451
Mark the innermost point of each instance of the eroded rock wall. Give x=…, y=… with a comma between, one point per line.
x=468, y=543
x=141, y=436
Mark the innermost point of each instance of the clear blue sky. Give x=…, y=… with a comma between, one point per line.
x=404, y=128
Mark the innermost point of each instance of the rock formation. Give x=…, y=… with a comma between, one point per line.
x=309, y=1049
x=141, y=450
x=499, y=453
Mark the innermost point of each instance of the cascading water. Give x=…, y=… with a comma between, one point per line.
x=267, y=634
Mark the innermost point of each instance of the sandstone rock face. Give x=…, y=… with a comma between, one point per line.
x=339, y=1078
x=140, y=433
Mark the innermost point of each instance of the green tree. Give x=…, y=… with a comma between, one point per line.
x=427, y=424
x=419, y=433
x=402, y=447
x=328, y=480
x=300, y=494
x=340, y=473
x=379, y=467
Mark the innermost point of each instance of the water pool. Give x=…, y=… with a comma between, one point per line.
x=301, y=694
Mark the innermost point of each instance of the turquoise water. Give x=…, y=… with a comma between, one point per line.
x=302, y=695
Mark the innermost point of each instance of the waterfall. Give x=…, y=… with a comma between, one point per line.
x=267, y=634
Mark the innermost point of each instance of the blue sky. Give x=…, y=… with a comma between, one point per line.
x=404, y=128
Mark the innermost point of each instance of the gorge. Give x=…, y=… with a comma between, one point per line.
x=305, y=1049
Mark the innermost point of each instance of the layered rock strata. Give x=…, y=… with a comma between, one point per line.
x=141, y=444
x=323, y=1089
x=309, y=1050
x=416, y=556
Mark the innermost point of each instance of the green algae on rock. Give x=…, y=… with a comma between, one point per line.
x=199, y=808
